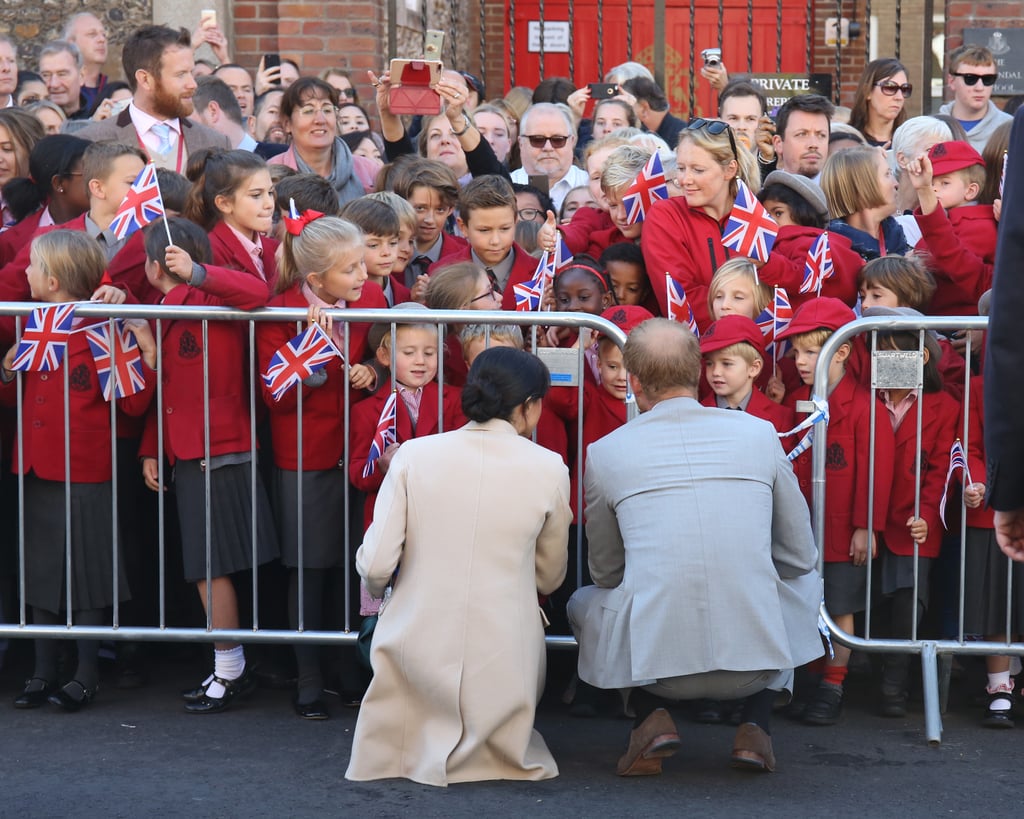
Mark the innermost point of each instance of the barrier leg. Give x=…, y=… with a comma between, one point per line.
x=930, y=682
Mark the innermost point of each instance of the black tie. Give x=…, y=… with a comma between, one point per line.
x=417, y=267
x=491, y=276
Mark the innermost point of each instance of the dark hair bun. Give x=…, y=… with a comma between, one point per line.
x=500, y=380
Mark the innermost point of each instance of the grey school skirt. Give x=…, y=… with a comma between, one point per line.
x=92, y=556
x=323, y=517
x=846, y=587
x=985, y=573
x=230, y=520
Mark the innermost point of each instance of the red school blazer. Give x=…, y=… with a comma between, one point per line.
x=228, y=252
x=88, y=419
x=938, y=423
x=781, y=417
x=363, y=426
x=846, y=465
x=182, y=374
x=323, y=407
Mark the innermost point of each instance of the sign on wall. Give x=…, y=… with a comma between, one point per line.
x=1007, y=46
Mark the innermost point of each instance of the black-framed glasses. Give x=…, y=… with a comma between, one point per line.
x=714, y=127
x=491, y=293
x=347, y=93
x=988, y=80
x=538, y=140
x=530, y=214
x=889, y=88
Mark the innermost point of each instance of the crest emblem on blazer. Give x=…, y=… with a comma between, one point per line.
x=188, y=347
x=835, y=456
x=79, y=379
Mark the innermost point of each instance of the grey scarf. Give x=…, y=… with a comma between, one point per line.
x=342, y=178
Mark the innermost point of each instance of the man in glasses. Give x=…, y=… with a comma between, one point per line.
x=547, y=136
x=972, y=78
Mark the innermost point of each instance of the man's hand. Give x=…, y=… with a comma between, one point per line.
x=1010, y=533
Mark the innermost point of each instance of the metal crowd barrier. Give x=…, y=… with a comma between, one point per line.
x=162, y=631
x=929, y=650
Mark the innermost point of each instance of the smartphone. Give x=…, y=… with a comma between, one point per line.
x=712, y=56
x=602, y=90
x=208, y=18
x=272, y=61
x=540, y=181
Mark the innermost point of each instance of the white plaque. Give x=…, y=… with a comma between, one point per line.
x=556, y=36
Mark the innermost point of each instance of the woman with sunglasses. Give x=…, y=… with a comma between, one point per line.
x=682, y=235
x=879, y=107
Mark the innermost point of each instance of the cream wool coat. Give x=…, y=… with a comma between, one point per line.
x=477, y=522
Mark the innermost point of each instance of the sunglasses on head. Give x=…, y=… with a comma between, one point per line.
x=988, y=80
x=537, y=140
x=889, y=88
x=714, y=127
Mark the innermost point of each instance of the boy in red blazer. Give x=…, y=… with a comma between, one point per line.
x=849, y=533
x=733, y=350
x=487, y=218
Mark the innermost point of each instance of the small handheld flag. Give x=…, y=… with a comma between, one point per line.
x=140, y=206
x=44, y=340
x=562, y=260
x=386, y=434
x=957, y=460
x=750, y=231
x=120, y=373
x=648, y=187
x=678, y=305
x=530, y=294
x=298, y=359
x=818, y=265
x=773, y=320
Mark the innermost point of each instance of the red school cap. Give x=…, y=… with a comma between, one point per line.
x=627, y=316
x=947, y=157
x=729, y=330
x=818, y=314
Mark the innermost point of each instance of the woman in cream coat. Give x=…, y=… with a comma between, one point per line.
x=458, y=653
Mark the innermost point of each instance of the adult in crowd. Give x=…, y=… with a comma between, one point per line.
x=801, y=134
x=627, y=71
x=8, y=72
x=611, y=115
x=19, y=133
x=268, y=125
x=216, y=107
x=453, y=709
x=547, y=138
x=352, y=117
x=49, y=113
x=745, y=107
x=309, y=111
x=86, y=31
x=241, y=84
x=60, y=66
x=158, y=63
x=342, y=82
x=972, y=78
x=495, y=125
x=1004, y=361
x=30, y=87
x=879, y=106
x=911, y=139
x=651, y=108
x=690, y=601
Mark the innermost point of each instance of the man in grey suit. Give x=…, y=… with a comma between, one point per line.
x=158, y=65
x=702, y=555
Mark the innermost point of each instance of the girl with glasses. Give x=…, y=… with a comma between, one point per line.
x=879, y=107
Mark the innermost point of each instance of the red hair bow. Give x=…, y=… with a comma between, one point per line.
x=295, y=222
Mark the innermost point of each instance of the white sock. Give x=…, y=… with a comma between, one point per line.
x=999, y=681
x=228, y=665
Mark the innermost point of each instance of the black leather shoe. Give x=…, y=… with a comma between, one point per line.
x=233, y=690
x=73, y=696
x=195, y=694
x=894, y=703
x=316, y=710
x=708, y=712
x=37, y=693
x=825, y=708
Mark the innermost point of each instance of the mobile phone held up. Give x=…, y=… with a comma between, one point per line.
x=272, y=61
x=602, y=90
x=712, y=56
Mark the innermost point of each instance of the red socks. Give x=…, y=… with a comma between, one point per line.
x=834, y=675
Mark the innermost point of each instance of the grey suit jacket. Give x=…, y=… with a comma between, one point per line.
x=701, y=549
x=120, y=129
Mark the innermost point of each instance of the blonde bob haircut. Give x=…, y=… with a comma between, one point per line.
x=720, y=148
x=454, y=286
x=322, y=244
x=73, y=258
x=622, y=166
x=740, y=268
x=601, y=144
x=849, y=181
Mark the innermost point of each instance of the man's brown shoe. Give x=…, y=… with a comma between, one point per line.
x=653, y=740
x=752, y=749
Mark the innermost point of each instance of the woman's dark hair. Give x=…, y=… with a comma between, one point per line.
x=500, y=380
x=53, y=155
x=215, y=172
x=875, y=72
x=302, y=91
x=800, y=209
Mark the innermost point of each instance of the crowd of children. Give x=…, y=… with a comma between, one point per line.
x=425, y=243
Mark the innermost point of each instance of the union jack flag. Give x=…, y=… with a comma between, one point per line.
x=308, y=352
x=530, y=294
x=957, y=460
x=142, y=204
x=45, y=339
x=648, y=187
x=750, y=231
x=386, y=434
x=121, y=372
x=818, y=265
x=774, y=319
x=678, y=305
x=562, y=260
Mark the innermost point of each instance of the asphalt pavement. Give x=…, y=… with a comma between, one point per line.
x=137, y=753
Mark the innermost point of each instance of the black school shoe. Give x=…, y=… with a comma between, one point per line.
x=36, y=694
x=233, y=690
x=999, y=718
x=826, y=706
